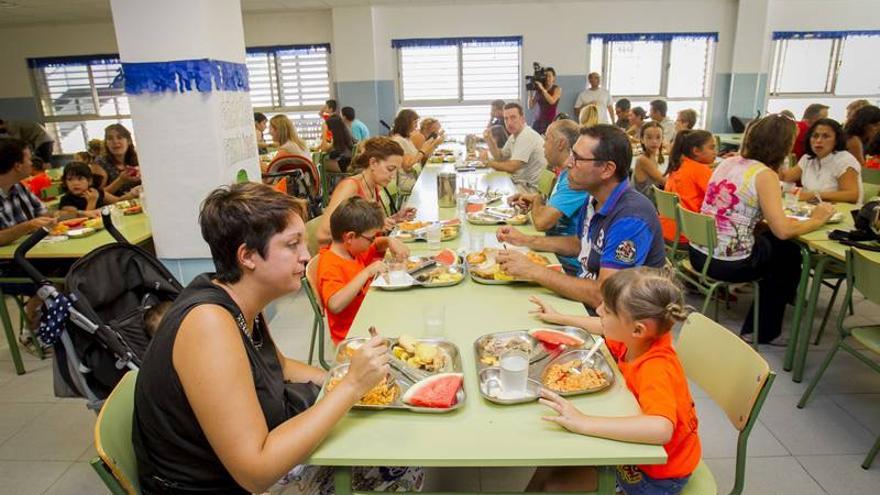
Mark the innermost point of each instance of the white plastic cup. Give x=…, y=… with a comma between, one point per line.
x=514, y=374
x=433, y=236
x=476, y=242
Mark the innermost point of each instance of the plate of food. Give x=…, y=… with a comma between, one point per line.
x=418, y=230
x=443, y=269
x=484, y=268
x=426, y=375
x=556, y=362
x=74, y=223
x=803, y=212
x=80, y=232
x=499, y=215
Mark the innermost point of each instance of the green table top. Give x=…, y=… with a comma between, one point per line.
x=135, y=228
x=480, y=433
x=735, y=139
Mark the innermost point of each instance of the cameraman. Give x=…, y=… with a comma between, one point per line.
x=546, y=95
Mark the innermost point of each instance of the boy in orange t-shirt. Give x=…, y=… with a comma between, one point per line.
x=349, y=263
x=640, y=305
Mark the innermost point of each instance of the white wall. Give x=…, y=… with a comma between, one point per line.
x=21, y=43
x=824, y=15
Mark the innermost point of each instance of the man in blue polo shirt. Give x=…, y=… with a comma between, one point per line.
x=617, y=229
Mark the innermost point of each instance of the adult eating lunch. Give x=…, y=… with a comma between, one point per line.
x=218, y=408
x=616, y=229
x=379, y=160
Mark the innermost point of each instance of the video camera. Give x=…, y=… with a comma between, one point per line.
x=539, y=75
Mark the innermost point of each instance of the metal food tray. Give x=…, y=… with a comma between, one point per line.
x=460, y=266
x=453, y=365
x=539, y=361
x=491, y=281
x=422, y=234
x=477, y=218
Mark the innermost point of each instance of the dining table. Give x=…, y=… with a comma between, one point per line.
x=479, y=433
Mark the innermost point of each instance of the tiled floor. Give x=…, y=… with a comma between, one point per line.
x=46, y=443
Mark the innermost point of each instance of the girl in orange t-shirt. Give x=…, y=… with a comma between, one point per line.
x=688, y=174
x=640, y=306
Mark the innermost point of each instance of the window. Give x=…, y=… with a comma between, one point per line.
x=456, y=79
x=291, y=80
x=832, y=68
x=79, y=96
x=676, y=67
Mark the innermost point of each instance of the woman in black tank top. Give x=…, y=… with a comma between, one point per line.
x=217, y=408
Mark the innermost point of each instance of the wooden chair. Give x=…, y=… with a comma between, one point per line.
x=310, y=285
x=312, y=235
x=667, y=206
x=735, y=377
x=700, y=231
x=116, y=463
x=863, y=274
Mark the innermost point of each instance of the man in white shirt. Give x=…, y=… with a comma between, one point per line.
x=658, y=114
x=523, y=153
x=598, y=96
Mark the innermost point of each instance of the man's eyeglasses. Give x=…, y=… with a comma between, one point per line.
x=575, y=158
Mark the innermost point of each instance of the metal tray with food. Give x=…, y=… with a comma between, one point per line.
x=484, y=269
x=427, y=380
x=418, y=230
x=545, y=347
x=445, y=269
x=497, y=216
x=803, y=212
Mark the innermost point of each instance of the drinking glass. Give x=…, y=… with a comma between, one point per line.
x=514, y=364
x=434, y=318
x=433, y=236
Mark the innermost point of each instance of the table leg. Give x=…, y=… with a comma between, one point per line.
x=342, y=480
x=798, y=308
x=803, y=338
x=607, y=480
x=10, y=336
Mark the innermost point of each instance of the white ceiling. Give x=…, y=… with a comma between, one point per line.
x=19, y=12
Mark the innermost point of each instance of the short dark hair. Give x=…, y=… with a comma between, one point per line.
x=332, y=104
x=11, y=152
x=513, y=104
x=623, y=104
x=347, y=112
x=357, y=215
x=75, y=170
x=873, y=147
x=498, y=104
x=813, y=111
x=640, y=112
x=260, y=117
x=614, y=146
x=659, y=106
x=769, y=140
x=864, y=117
x=37, y=163
x=246, y=214
x=839, y=136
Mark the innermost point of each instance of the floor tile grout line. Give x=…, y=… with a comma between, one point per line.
x=846, y=410
x=778, y=440
x=56, y=480
x=810, y=474
x=27, y=423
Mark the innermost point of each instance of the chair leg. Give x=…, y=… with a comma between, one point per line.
x=10, y=336
x=828, y=311
x=801, y=403
x=757, y=313
x=709, y=293
x=871, y=455
x=313, y=339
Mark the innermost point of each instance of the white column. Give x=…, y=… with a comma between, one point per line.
x=189, y=139
x=751, y=54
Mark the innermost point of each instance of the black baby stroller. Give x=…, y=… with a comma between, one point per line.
x=98, y=328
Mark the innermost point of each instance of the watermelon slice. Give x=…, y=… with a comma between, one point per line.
x=449, y=223
x=447, y=257
x=436, y=391
x=556, y=337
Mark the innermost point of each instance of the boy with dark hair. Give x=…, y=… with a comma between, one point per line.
x=622, y=110
x=359, y=130
x=658, y=114
x=348, y=265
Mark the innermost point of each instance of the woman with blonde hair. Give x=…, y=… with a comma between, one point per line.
x=285, y=137
x=589, y=116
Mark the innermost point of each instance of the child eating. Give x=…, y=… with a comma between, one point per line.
x=80, y=199
x=640, y=305
x=346, y=267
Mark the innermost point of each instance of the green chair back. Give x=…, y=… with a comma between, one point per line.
x=242, y=177
x=865, y=275
x=733, y=374
x=116, y=463
x=50, y=192
x=311, y=289
x=546, y=180
x=312, y=234
x=870, y=175
x=700, y=230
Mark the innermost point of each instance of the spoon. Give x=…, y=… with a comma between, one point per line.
x=598, y=343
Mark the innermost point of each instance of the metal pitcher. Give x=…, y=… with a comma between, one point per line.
x=446, y=189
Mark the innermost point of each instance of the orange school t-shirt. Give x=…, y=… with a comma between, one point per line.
x=658, y=381
x=334, y=272
x=689, y=182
